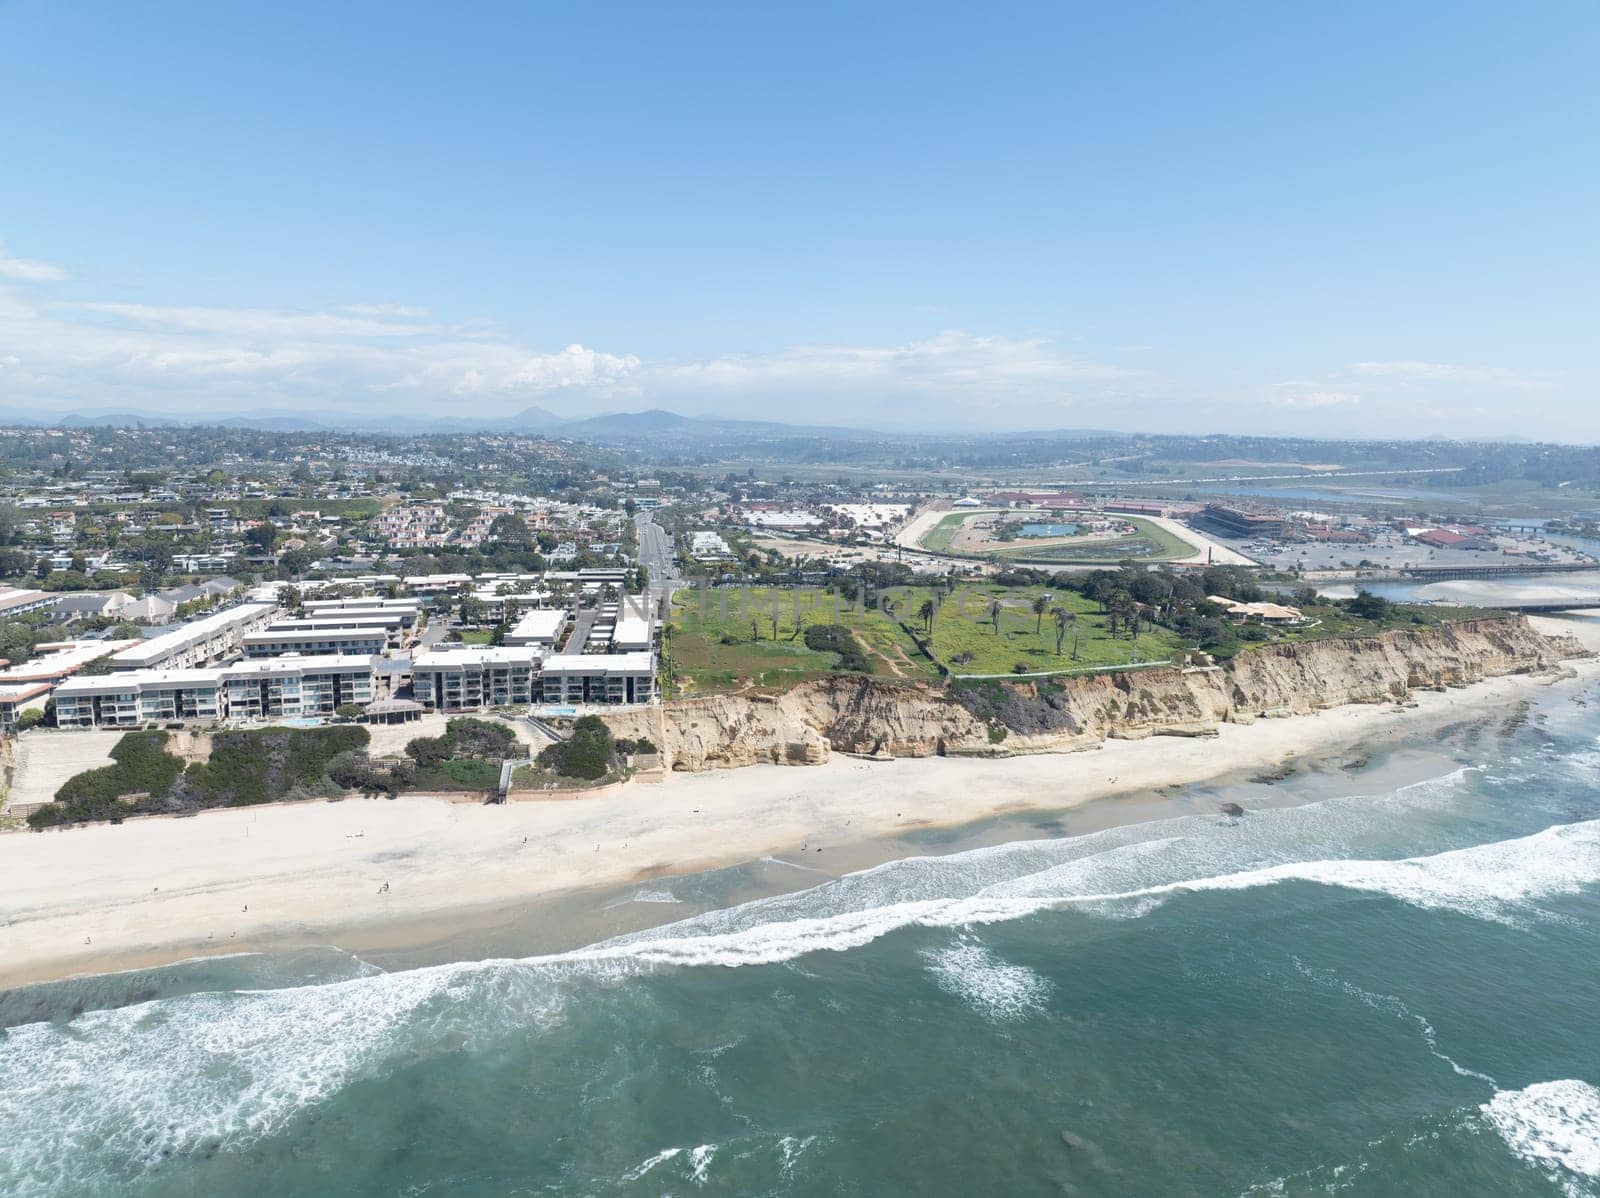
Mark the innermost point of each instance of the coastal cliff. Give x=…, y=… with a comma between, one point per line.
x=857, y=714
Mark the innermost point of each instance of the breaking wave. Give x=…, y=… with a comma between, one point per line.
x=117, y=1091
x=1555, y=1128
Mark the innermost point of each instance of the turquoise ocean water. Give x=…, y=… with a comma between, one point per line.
x=1392, y=990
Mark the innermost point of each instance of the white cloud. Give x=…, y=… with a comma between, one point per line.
x=1315, y=399
x=1412, y=371
x=96, y=353
x=28, y=270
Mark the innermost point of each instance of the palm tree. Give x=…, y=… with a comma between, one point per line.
x=994, y=615
x=1062, y=618
x=925, y=613
x=1040, y=606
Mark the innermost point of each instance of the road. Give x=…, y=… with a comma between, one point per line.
x=656, y=555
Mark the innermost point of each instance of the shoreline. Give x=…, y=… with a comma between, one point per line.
x=107, y=898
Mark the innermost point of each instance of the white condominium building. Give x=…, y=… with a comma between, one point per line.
x=539, y=627
x=476, y=677
x=277, y=688
x=599, y=678
x=197, y=642
x=310, y=643
x=132, y=698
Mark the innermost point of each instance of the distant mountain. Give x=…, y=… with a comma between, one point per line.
x=630, y=424
x=117, y=420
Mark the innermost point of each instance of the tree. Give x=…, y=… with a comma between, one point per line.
x=925, y=614
x=295, y=562
x=1368, y=606
x=262, y=536
x=348, y=711
x=1061, y=617
x=507, y=529
x=994, y=615
x=1040, y=606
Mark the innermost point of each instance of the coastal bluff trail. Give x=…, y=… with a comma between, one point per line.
x=854, y=714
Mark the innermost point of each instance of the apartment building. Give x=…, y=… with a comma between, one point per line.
x=198, y=642
x=391, y=624
x=540, y=627
x=348, y=642
x=571, y=678
x=281, y=687
x=475, y=677
x=277, y=688
x=131, y=698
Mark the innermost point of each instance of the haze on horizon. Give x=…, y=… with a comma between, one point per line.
x=1359, y=221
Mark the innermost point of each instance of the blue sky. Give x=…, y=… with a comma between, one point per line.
x=1354, y=220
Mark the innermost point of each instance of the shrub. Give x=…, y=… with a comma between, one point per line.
x=837, y=639
x=428, y=750
x=467, y=737
x=586, y=754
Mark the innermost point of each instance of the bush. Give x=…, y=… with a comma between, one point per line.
x=263, y=766
x=466, y=737
x=836, y=638
x=31, y=718
x=143, y=766
x=586, y=754
x=428, y=751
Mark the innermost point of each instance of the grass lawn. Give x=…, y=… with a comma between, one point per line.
x=962, y=626
x=475, y=636
x=727, y=638
x=1334, y=621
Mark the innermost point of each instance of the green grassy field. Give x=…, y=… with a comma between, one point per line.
x=1331, y=620
x=724, y=639
x=962, y=626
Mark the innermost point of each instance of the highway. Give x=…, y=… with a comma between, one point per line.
x=656, y=556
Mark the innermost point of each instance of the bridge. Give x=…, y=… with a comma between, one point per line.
x=1520, y=570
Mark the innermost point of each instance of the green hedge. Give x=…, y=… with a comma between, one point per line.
x=262, y=766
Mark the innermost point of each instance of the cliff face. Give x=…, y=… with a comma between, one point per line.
x=855, y=714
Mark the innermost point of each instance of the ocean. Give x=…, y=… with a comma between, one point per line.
x=1382, y=978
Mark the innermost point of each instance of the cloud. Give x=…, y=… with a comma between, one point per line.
x=1411, y=371
x=28, y=270
x=183, y=357
x=1315, y=399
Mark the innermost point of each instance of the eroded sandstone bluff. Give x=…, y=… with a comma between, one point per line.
x=856, y=714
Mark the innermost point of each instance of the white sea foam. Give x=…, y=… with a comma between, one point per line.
x=997, y=990
x=700, y=1162
x=789, y=1149
x=120, y=1089
x=644, y=1166
x=1553, y=1126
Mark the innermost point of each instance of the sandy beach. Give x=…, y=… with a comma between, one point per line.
x=352, y=872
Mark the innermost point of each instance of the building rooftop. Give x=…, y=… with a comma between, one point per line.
x=192, y=633
x=642, y=662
